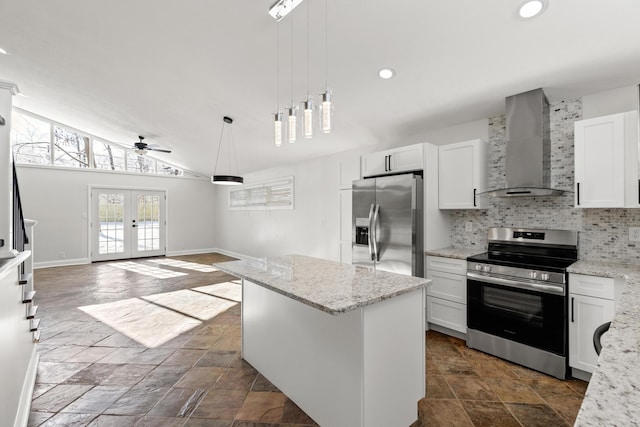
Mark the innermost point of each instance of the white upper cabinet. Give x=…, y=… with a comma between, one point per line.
x=402, y=159
x=462, y=175
x=606, y=162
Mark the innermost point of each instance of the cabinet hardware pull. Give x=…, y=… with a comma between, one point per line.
x=389, y=162
x=385, y=163
x=572, y=319
x=578, y=194
x=474, y=197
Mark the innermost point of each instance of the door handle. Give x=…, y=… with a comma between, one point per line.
x=376, y=213
x=134, y=226
x=370, y=236
x=572, y=319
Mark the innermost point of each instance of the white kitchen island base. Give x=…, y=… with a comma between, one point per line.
x=364, y=367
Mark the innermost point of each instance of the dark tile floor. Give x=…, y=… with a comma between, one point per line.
x=156, y=342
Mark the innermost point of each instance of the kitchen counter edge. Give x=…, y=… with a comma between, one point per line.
x=454, y=253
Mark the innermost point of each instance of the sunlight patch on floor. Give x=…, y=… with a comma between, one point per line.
x=228, y=290
x=204, y=268
x=156, y=319
x=158, y=273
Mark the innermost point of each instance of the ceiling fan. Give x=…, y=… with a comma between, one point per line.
x=142, y=147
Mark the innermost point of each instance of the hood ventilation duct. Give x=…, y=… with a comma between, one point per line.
x=528, y=151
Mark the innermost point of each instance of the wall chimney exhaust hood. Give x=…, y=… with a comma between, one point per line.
x=528, y=151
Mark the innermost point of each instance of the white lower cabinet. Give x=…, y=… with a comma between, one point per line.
x=591, y=303
x=447, y=293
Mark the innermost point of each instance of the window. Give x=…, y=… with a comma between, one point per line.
x=108, y=156
x=38, y=141
x=275, y=194
x=70, y=148
x=167, y=169
x=138, y=163
x=31, y=140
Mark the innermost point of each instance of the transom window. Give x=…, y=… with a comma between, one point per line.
x=38, y=141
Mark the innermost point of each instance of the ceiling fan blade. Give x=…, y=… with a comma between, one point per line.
x=161, y=150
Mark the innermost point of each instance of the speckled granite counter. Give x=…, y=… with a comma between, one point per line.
x=326, y=285
x=613, y=395
x=456, y=253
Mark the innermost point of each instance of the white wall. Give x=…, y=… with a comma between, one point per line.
x=312, y=228
x=610, y=102
x=58, y=200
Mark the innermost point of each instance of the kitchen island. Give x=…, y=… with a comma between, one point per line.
x=345, y=343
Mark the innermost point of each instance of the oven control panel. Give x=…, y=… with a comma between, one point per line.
x=522, y=273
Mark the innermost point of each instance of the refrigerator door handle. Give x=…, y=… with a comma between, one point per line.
x=376, y=217
x=370, y=238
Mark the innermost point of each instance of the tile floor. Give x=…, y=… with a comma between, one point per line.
x=156, y=342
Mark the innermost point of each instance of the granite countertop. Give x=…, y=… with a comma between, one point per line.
x=326, y=285
x=613, y=395
x=456, y=253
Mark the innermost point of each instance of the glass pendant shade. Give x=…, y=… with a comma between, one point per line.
x=277, y=129
x=292, y=125
x=308, y=118
x=326, y=113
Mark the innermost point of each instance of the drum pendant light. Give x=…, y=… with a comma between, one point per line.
x=229, y=179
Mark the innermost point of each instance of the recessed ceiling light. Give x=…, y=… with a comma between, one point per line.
x=386, y=73
x=531, y=8
x=4, y=52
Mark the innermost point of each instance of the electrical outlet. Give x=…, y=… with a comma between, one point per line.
x=634, y=234
x=62, y=255
x=468, y=227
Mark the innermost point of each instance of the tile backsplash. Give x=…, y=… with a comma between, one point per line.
x=602, y=233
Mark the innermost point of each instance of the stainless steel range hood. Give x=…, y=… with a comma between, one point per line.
x=528, y=152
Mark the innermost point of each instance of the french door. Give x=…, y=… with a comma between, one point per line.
x=127, y=223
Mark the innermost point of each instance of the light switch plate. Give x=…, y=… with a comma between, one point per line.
x=634, y=234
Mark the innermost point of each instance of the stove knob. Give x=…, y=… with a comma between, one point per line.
x=533, y=274
x=478, y=267
x=544, y=276
x=486, y=268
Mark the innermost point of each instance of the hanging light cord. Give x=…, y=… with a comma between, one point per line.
x=326, y=46
x=291, y=61
x=308, y=6
x=219, y=146
x=233, y=147
x=277, y=67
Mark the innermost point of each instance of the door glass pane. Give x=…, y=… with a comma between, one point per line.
x=148, y=223
x=111, y=221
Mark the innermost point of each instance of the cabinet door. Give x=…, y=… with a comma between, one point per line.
x=599, y=162
x=586, y=314
x=452, y=287
x=462, y=174
x=345, y=226
x=406, y=159
x=445, y=313
x=374, y=163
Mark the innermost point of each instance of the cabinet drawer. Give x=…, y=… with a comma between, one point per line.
x=447, y=265
x=452, y=287
x=593, y=286
x=445, y=313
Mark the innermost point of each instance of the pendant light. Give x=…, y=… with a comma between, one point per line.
x=326, y=108
x=308, y=103
x=226, y=179
x=293, y=109
x=277, y=122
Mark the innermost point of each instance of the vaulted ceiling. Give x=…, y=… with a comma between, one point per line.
x=170, y=70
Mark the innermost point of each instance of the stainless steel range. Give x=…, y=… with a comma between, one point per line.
x=517, y=297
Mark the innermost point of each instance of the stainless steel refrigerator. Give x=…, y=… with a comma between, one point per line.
x=387, y=224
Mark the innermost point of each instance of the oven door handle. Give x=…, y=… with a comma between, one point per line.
x=547, y=289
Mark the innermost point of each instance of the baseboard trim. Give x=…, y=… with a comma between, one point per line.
x=191, y=252
x=24, y=405
x=235, y=254
x=61, y=263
